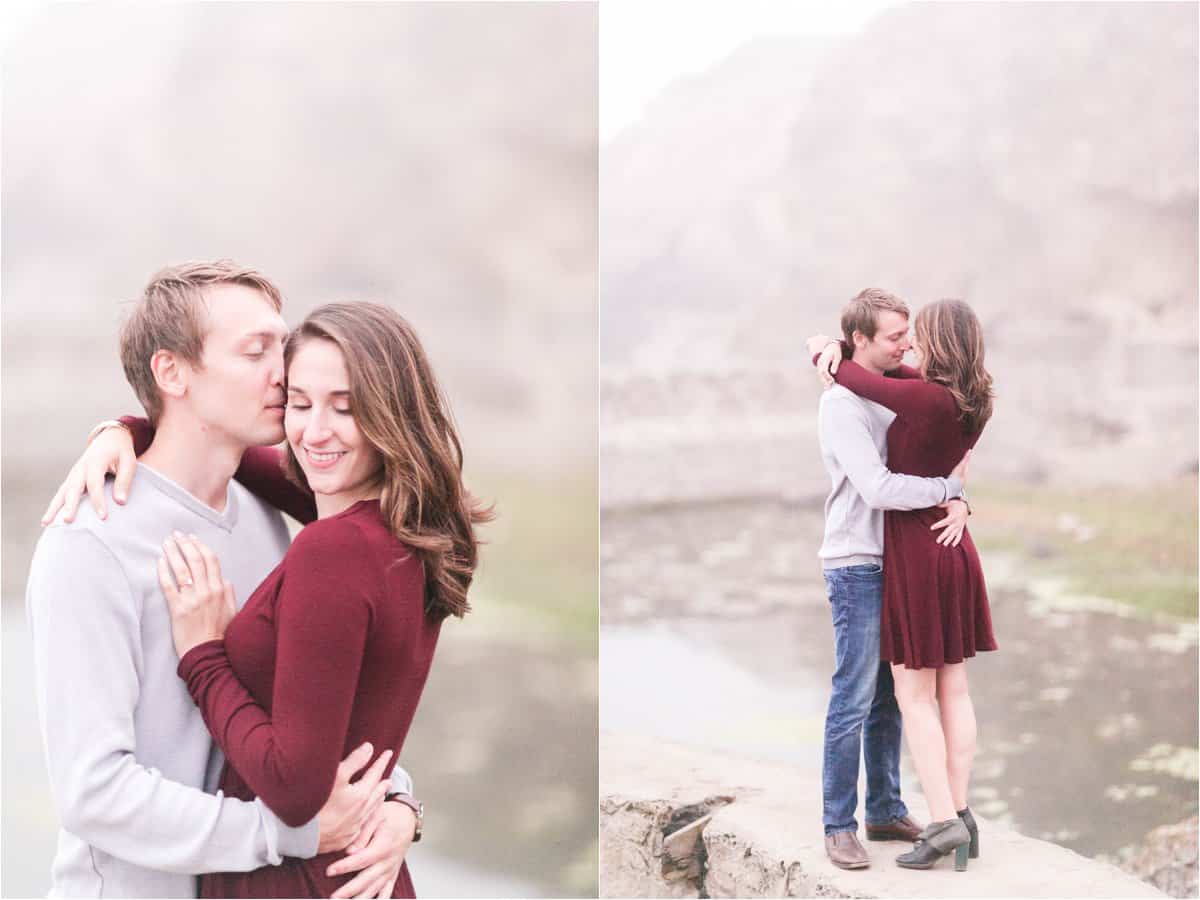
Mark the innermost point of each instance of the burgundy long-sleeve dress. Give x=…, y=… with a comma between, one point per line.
x=935, y=604
x=331, y=650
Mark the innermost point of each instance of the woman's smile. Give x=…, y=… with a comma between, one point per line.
x=322, y=460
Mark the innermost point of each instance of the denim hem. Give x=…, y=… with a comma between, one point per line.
x=829, y=829
x=902, y=812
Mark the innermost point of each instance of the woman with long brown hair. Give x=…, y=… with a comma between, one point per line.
x=935, y=609
x=333, y=648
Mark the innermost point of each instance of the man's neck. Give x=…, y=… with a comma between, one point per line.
x=861, y=358
x=194, y=458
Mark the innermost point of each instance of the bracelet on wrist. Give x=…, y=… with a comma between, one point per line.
x=104, y=426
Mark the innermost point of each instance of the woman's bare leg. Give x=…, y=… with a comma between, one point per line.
x=958, y=725
x=916, y=694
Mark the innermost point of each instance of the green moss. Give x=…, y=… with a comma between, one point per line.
x=538, y=572
x=1137, y=546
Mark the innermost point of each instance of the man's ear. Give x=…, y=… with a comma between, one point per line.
x=860, y=339
x=170, y=373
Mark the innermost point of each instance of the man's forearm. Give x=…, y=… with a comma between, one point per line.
x=133, y=813
x=845, y=432
x=884, y=489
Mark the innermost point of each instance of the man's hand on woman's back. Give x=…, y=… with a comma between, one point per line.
x=377, y=853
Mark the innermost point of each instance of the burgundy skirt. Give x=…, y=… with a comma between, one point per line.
x=291, y=878
x=935, y=604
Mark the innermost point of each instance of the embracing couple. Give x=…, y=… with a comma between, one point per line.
x=207, y=693
x=903, y=577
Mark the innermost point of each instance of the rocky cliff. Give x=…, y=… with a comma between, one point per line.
x=1038, y=160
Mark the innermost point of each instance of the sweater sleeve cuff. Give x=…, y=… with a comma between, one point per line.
x=954, y=488
x=400, y=782
x=199, y=654
x=300, y=842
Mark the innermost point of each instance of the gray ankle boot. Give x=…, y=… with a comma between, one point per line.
x=938, y=840
x=972, y=829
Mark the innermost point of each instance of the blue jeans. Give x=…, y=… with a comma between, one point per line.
x=862, y=710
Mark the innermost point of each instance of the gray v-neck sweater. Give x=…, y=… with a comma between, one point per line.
x=127, y=751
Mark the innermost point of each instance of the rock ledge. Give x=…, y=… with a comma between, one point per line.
x=762, y=839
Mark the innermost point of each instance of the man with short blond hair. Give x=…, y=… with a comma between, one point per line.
x=862, y=313
x=171, y=316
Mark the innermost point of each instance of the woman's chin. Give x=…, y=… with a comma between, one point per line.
x=319, y=482
x=323, y=487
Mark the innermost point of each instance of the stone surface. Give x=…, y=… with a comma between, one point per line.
x=631, y=837
x=1168, y=859
x=769, y=843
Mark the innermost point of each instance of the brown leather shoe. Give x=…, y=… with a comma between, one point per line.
x=845, y=851
x=902, y=829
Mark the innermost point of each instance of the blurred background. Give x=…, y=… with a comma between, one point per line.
x=438, y=157
x=1038, y=160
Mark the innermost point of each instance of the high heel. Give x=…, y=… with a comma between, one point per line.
x=961, y=855
x=972, y=829
x=938, y=840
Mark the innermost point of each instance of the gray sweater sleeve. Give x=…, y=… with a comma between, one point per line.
x=845, y=431
x=88, y=665
x=402, y=782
